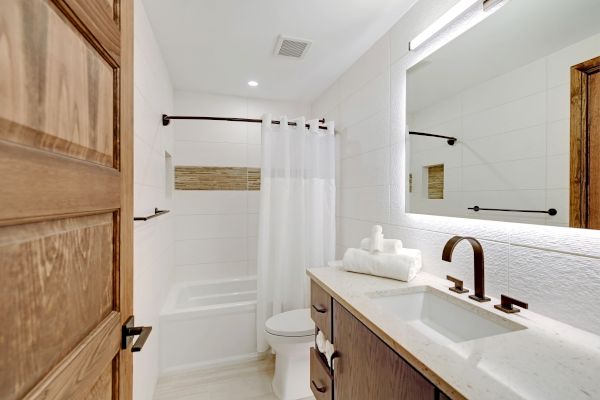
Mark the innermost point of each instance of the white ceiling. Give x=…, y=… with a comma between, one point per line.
x=219, y=45
x=519, y=33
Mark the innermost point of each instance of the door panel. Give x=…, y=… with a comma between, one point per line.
x=61, y=275
x=367, y=369
x=66, y=183
x=58, y=91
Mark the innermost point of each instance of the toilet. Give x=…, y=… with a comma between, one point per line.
x=290, y=335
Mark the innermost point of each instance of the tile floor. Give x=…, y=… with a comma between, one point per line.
x=245, y=381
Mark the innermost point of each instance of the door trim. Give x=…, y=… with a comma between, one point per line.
x=579, y=147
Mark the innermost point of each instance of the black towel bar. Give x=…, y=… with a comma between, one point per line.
x=157, y=213
x=551, y=211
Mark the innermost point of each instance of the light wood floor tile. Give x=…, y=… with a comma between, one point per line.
x=244, y=381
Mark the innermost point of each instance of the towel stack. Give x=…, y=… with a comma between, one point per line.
x=383, y=257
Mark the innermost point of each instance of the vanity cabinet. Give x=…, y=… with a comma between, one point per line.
x=365, y=368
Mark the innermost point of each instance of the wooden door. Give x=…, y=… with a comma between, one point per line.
x=585, y=145
x=367, y=369
x=65, y=198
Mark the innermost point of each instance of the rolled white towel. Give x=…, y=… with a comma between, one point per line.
x=390, y=246
x=329, y=350
x=403, y=266
x=376, y=242
x=320, y=341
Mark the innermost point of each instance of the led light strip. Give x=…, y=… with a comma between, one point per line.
x=489, y=6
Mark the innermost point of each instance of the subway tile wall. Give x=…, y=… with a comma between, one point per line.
x=216, y=231
x=556, y=269
x=154, y=240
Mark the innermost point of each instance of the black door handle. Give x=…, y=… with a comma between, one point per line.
x=129, y=331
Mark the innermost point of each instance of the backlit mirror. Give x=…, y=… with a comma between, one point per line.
x=516, y=100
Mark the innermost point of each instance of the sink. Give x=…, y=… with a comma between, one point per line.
x=441, y=316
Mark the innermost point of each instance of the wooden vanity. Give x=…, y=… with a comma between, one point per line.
x=364, y=366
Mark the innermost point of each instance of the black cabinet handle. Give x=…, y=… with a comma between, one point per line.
x=320, y=309
x=320, y=389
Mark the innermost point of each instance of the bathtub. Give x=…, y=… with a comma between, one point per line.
x=207, y=323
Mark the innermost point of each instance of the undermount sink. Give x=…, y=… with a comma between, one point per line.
x=441, y=316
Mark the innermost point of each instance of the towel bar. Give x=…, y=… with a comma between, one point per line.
x=551, y=211
x=157, y=213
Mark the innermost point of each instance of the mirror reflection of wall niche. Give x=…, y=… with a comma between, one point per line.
x=503, y=89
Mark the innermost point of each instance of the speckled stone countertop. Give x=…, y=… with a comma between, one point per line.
x=548, y=360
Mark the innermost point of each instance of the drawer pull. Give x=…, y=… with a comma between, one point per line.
x=320, y=389
x=320, y=309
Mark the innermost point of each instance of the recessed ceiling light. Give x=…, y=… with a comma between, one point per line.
x=253, y=83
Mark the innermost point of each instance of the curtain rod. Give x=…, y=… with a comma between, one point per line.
x=166, y=119
x=451, y=140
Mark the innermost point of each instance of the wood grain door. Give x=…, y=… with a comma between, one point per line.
x=65, y=198
x=585, y=145
x=367, y=369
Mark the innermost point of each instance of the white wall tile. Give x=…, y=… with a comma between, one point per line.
x=569, y=291
x=154, y=240
x=214, y=250
x=372, y=64
x=210, y=226
x=207, y=154
x=366, y=169
x=189, y=202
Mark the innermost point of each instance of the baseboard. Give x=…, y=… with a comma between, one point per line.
x=221, y=362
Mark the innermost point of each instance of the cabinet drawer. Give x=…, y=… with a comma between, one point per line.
x=321, y=382
x=320, y=309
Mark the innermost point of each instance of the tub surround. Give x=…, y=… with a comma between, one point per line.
x=207, y=323
x=547, y=360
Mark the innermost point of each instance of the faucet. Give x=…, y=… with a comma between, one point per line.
x=478, y=267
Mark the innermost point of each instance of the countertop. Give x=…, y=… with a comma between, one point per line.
x=548, y=360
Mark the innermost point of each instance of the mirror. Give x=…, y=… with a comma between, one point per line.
x=500, y=95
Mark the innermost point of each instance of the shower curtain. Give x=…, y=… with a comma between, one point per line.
x=297, y=214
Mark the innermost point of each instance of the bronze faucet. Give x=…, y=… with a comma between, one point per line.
x=478, y=253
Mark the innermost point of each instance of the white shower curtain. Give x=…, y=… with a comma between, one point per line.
x=297, y=214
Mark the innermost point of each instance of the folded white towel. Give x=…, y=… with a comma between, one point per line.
x=390, y=246
x=403, y=266
x=320, y=341
x=329, y=350
x=376, y=239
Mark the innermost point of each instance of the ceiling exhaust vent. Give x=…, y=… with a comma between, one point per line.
x=292, y=47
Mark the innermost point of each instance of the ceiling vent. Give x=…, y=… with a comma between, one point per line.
x=292, y=47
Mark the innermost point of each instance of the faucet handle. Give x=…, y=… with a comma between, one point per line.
x=506, y=304
x=458, y=285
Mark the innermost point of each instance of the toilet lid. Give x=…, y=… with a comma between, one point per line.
x=291, y=323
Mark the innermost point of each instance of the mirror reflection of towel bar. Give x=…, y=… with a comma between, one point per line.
x=551, y=211
x=451, y=140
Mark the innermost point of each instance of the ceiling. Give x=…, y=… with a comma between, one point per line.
x=219, y=45
x=519, y=33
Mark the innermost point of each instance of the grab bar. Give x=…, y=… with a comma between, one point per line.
x=551, y=211
x=157, y=213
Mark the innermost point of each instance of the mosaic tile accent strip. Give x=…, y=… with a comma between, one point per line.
x=253, y=178
x=216, y=178
x=435, y=182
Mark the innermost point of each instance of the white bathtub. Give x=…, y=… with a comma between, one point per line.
x=208, y=322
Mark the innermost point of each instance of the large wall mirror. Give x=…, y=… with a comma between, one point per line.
x=504, y=120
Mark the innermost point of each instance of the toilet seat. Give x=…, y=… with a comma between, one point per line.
x=295, y=323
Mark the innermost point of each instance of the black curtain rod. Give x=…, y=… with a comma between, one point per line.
x=166, y=119
x=451, y=140
x=551, y=211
